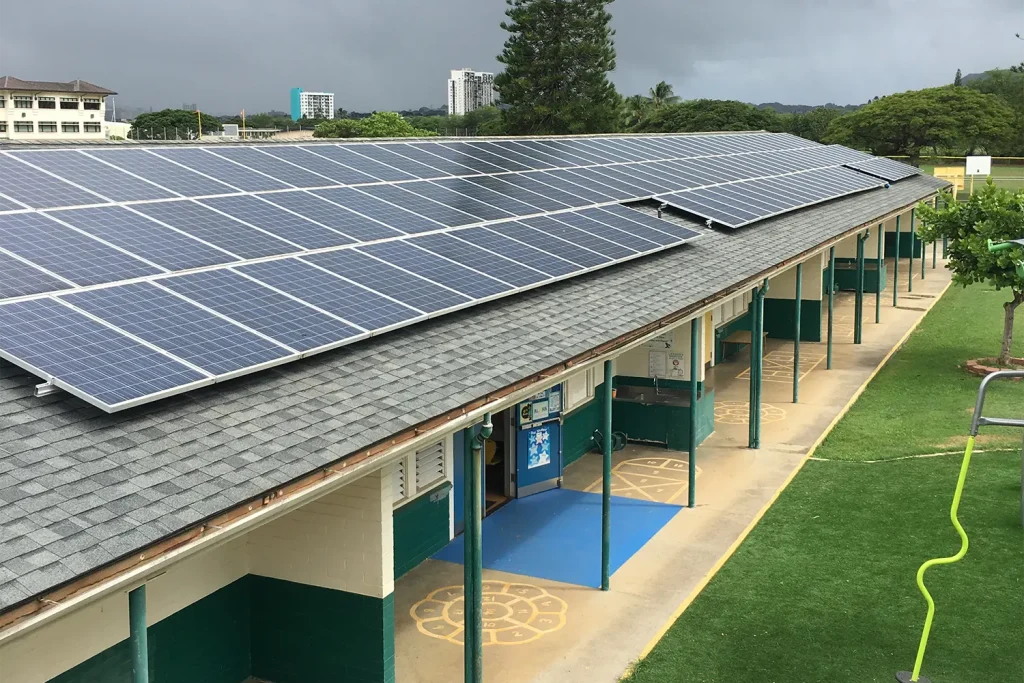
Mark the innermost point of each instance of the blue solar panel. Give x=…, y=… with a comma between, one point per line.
x=339, y=297
x=350, y=157
x=544, y=240
x=629, y=187
x=140, y=235
x=408, y=197
x=575, y=149
x=332, y=215
x=487, y=239
x=275, y=220
x=553, y=226
x=304, y=157
x=533, y=183
x=390, y=281
x=54, y=340
x=553, y=158
x=491, y=196
x=272, y=166
x=389, y=214
x=887, y=169
x=653, y=226
x=39, y=190
x=162, y=172
x=66, y=252
x=567, y=182
x=20, y=279
x=472, y=283
x=215, y=228
x=505, y=152
x=458, y=157
x=537, y=197
x=468, y=150
x=10, y=205
x=233, y=174
x=442, y=164
x=298, y=325
x=608, y=232
x=460, y=202
x=383, y=154
x=94, y=175
x=490, y=262
x=180, y=328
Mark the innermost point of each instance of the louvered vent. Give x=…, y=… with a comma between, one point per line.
x=429, y=465
x=398, y=483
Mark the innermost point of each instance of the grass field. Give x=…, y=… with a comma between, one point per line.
x=1010, y=177
x=823, y=588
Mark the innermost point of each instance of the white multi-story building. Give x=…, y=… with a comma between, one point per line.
x=44, y=110
x=311, y=105
x=469, y=90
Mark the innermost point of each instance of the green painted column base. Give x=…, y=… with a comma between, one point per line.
x=780, y=319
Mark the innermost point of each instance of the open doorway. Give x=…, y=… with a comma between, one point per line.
x=498, y=456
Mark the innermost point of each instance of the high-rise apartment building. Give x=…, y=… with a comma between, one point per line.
x=311, y=105
x=469, y=90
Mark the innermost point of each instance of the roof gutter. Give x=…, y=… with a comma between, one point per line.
x=136, y=568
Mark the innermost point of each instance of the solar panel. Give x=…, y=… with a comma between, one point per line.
x=184, y=330
x=380, y=240
x=886, y=169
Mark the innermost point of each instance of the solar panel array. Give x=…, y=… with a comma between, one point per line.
x=131, y=274
x=883, y=168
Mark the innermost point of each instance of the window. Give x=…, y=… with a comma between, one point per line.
x=23, y=127
x=90, y=103
x=69, y=127
x=579, y=388
x=3, y=126
x=47, y=103
x=22, y=102
x=69, y=103
x=418, y=472
x=47, y=126
x=93, y=127
x=1, y=102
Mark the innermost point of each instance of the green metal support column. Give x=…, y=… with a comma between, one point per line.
x=695, y=334
x=879, y=261
x=473, y=609
x=753, y=363
x=137, y=634
x=935, y=254
x=796, y=332
x=913, y=241
x=606, y=481
x=858, y=309
x=831, y=302
x=896, y=266
x=756, y=364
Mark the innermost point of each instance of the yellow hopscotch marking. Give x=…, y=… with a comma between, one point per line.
x=775, y=496
x=778, y=365
x=662, y=470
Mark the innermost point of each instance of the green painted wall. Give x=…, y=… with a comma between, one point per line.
x=578, y=428
x=421, y=528
x=207, y=641
x=780, y=319
x=662, y=423
x=308, y=634
x=890, y=242
x=846, y=275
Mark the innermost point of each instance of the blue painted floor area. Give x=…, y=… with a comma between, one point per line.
x=557, y=535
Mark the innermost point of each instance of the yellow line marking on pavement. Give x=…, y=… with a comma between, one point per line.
x=761, y=513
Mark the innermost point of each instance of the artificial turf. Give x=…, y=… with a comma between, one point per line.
x=823, y=588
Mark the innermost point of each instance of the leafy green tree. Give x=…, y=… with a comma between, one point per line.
x=557, y=58
x=948, y=117
x=1007, y=84
x=637, y=109
x=382, y=124
x=958, y=80
x=662, y=94
x=814, y=124
x=338, y=128
x=168, y=123
x=695, y=116
x=992, y=214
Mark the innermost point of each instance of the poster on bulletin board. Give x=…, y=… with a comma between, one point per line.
x=676, y=363
x=657, y=364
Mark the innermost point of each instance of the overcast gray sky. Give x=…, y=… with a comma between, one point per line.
x=396, y=54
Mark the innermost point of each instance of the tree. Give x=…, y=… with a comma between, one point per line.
x=958, y=80
x=960, y=119
x=338, y=128
x=557, y=57
x=992, y=214
x=662, y=94
x=169, y=123
x=1007, y=84
x=637, y=108
x=382, y=124
x=814, y=124
x=695, y=116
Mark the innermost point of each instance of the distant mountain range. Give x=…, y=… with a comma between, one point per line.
x=804, y=108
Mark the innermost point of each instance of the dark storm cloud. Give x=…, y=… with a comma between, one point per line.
x=396, y=53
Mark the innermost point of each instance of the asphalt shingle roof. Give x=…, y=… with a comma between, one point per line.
x=12, y=83
x=80, y=488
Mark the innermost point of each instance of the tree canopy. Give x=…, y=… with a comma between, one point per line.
x=994, y=214
x=382, y=124
x=695, y=116
x=483, y=121
x=1007, y=84
x=171, y=124
x=557, y=58
x=949, y=117
x=958, y=80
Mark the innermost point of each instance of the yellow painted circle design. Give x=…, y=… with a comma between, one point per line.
x=738, y=413
x=514, y=613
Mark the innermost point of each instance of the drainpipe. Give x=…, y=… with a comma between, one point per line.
x=831, y=302
x=896, y=266
x=913, y=241
x=796, y=332
x=858, y=313
x=696, y=326
x=878, y=273
x=606, y=481
x=757, y=351
x=137, y=634
x=473, y=562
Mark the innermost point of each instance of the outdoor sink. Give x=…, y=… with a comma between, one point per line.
x=648, y=395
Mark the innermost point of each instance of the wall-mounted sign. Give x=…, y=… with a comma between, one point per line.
x=662, y=341
x=676, y=365
x=979, y=166
x=657, y=364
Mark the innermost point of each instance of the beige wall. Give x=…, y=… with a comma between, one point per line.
x=783, y=285
x=10, y=115
x=636, y=362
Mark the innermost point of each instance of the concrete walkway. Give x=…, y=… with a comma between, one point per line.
x=550, y=632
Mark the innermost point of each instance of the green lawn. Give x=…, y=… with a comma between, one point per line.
x=823, y=588
x=1010, y=177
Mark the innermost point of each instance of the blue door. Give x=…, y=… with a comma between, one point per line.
x=538, y=458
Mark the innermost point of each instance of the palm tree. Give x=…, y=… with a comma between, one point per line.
x=637, y=109
x=662, y=94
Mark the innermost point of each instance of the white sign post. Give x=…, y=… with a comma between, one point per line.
x=978, y=166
